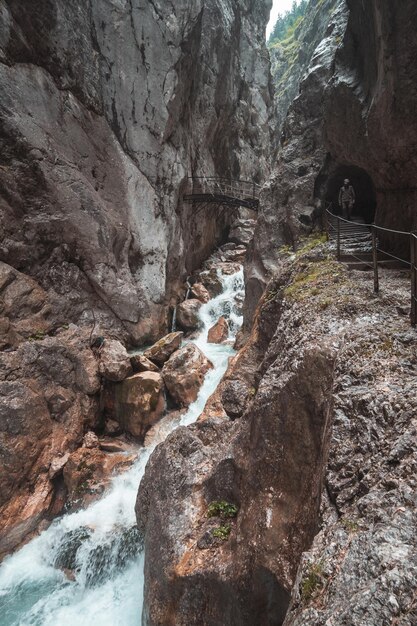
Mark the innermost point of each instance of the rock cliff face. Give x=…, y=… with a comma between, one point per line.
x=354, y=118
x=322, y=441
x=292, y=500
x=289, y=61
x=107, y=108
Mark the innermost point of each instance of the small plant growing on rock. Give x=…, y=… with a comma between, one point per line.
x=37, y=336
x=350, y=525
x=222, y=532
x=222, y=509
x=313, y=581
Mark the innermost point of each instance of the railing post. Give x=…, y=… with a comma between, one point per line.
x=413, y=243
x=338, y=239
x=326, y=223
x=375, y=258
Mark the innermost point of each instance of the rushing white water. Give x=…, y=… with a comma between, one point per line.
x=99, y=544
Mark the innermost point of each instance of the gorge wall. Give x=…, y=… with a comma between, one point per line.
x=309, y=435
x=355, y=118
x=106, y=107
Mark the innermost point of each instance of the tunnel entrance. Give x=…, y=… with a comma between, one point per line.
x=365, y=204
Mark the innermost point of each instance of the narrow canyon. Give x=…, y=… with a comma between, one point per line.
x=208, y=308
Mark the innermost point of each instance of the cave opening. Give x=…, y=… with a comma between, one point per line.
x=365, y=204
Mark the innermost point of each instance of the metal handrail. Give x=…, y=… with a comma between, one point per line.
x=374, y=228
x=229, y=180
x=222, y=190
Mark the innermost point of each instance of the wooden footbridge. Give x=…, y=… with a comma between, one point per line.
x=202, y=191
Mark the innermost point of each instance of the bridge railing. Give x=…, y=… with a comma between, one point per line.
x=216, y=186
x=331, y=219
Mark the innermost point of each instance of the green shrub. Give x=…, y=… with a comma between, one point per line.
x=222, y=509
x=222, y=532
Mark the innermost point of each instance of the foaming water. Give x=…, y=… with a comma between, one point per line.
x=99, y=544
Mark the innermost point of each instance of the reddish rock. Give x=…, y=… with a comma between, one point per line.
x=140, y=363
x=49, y=399
x=184, y=374
x=162, y=349
x=187, y=314
x=219, y=332
x=114, y=361
x=90, y=440
x=229, y=268
x=57, y=465
x=139, y=402
x=200, y=292
x=211, y=281
x=88, y=472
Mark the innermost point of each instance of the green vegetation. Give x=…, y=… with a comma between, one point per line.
x=37, y=336
x=316, y=278
x=222, y=532
x=222, y=509
x=287, y=22
x=350, y=525
x=313, y=581
x=309, y=243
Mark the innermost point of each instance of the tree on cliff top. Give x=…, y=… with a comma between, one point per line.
x=287, y=22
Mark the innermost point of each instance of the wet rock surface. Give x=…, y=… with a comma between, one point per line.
x=139, y=402
x=187, y=314
x=318, y=453
x=49, y=390
x=200, y=292
x=184, y=372
x=219, y=332
x=162, y=349
x=140, y=363
x=88, y=472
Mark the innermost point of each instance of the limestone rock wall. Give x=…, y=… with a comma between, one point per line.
x=290, y=61
x=107, y=106
x=354, y=115
x=319, y=462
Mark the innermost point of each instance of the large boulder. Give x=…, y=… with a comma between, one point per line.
x=219, y=332
x=140, y=363
x=114, y=361
x=184, y=374
x=211, y=281
x=139, y=402
x=89, y=470
x=187, y=314
x=200, y=292
x=162, y=349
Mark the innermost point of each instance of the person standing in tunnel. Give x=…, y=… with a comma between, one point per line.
x=347, y=198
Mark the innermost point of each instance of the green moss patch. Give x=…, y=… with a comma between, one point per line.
x=222, y=509
x=315, y=279
x=222, y=532
x=313, y=581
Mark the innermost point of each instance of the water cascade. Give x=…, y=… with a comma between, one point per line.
x=87, y=567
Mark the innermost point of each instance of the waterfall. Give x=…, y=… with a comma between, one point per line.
x=174, y=320
x=100, y=543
